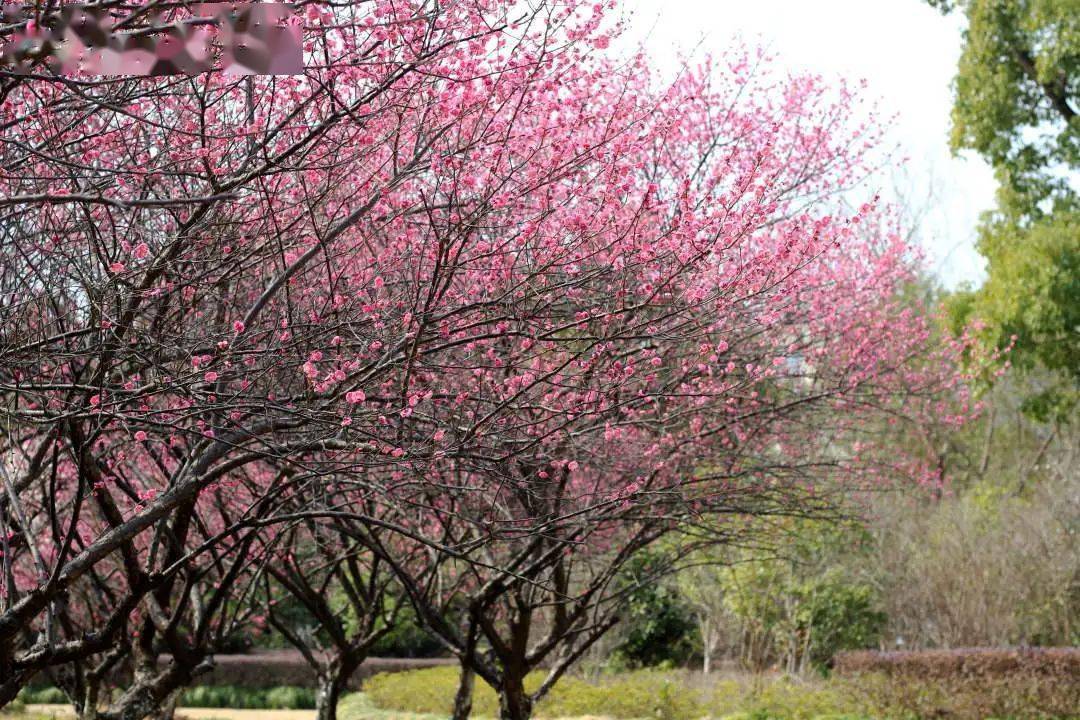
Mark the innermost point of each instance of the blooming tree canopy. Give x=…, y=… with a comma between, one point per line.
x=469, y=281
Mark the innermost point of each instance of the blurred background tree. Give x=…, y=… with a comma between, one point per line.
x=1016, y=106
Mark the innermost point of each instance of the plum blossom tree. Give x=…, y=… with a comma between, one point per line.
x=680, y=326
x=467, y=287
x=349, y=599
x=188, y=616
x=192, y=282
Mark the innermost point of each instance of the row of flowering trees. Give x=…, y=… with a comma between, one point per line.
x=466, y=316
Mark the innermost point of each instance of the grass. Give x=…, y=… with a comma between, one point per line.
x=358, y=706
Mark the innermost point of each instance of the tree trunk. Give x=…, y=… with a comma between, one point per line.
x=706, y=649
x=463, y=698
x=87, y=709
x=328, y=694
x=333, y=680
x=514, y=703
x=155, y=696
x=167, y=709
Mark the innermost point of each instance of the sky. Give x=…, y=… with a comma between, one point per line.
x=907, y=53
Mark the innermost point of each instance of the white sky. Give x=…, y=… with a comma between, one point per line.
x=905, y=50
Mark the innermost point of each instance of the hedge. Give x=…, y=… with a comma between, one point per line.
x=967, y=684
x=1063, y=662
x=275, y=668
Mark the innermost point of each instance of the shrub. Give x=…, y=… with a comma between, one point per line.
x=645, y=693
x=639, y=694
x=682, y=696
x=658, y=625
x=424, y=691
x=1017, y=697
x=994, y=565
x=628, y=695
x=42, y=695
x=267, y=669
x=358, y=706
x=967, y=684
x=229, y=696
x=407, y=639
x=290, y=698
x=964, y=662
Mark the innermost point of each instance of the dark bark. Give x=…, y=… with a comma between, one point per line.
x=328, y=694
x=514, y=702
x=11, y=686
x=153, y=696
x=463, y=698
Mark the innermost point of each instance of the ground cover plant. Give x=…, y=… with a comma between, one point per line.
x=676, y=695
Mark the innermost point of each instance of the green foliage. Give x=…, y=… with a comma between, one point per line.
x=42, y=695
x=802, y=604
x=290, y=698
x=1016, y=105
x=358, y=706
x=780, y=698
x=430, y=690
x=639, y=694
x=838, y=615
x=659, y=628
x=626, y=695
x=207, y=696
x=407, y=639
x=231, y=696
x=15, y=707
x=683, y=696
x=1033, y=294
x=1016, y=92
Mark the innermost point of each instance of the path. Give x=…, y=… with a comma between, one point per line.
x=65, y=711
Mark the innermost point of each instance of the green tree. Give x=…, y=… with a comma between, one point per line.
x=659, y=627
x=793, y=601
x=803, y=605
x=1016, y=105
